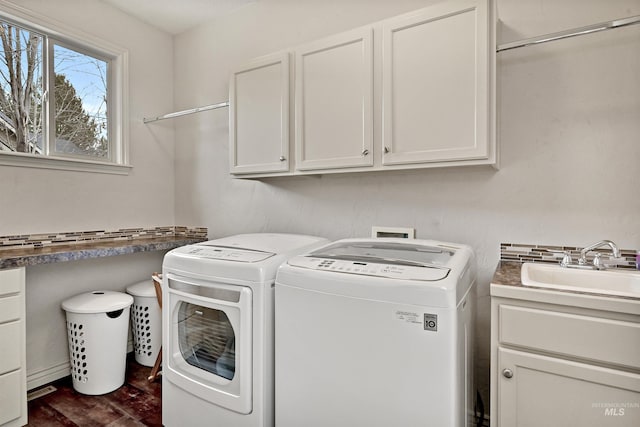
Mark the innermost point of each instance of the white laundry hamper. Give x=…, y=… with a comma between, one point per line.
x=146, y=322
x=97, y=327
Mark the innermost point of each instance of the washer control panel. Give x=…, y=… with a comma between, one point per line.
x=406, y=272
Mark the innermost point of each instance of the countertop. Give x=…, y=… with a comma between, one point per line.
x=507, y=283
x=507, y=273
x=20, y=257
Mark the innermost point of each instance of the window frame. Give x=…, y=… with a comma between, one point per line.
x=55, y=33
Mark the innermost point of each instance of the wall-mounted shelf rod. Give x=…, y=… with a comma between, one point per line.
x=609, y=25
x=185, y=112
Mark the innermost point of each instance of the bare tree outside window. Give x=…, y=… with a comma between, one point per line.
x=21, y=84
x=80, y=103
x=77, y=97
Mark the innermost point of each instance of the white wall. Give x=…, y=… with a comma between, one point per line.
x=43, y=200
x=569, y=126
x=49, y=285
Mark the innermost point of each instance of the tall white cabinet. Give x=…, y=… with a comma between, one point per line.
x=13, y=378
x=412, y=91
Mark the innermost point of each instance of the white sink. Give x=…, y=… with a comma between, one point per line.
x=608, y=282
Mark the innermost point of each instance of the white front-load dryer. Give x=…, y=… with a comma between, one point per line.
x=218, y=326
x=376, y=332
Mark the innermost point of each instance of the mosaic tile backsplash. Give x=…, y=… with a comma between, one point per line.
x=78, y=237
x=553, y=254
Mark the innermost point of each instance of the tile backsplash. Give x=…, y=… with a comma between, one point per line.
x=553, y=254
x=78, y=237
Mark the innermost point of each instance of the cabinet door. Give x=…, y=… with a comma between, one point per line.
x=545, y=391
x=259, y=116
x=334, y=79
x=10, y=351
x=11, y=399
x=13, y=380
x=436, y=84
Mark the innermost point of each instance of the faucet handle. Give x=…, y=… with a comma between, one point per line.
x=566, y=259
x=597, y=263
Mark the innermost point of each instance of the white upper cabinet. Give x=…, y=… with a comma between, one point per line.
x=259, y=116
x=333, y=102
x=429, y=75
x=437, y=84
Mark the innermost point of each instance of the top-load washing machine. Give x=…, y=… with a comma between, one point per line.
x=218, y=329
x=376, y=332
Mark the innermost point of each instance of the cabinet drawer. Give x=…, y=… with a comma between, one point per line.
x=10, y=281
x=586, y=337
x=10, y=308
x=11, y=396
x=10, y=344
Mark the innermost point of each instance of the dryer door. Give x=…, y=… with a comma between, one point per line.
x=209, y=341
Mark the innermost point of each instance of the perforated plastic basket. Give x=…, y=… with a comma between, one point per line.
x=146, y=322
x=97, y=327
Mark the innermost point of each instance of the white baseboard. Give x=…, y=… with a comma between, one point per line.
x=61, y=370
x=46, y=376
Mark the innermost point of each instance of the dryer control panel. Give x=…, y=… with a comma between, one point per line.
x=404, y=272
x=227, y=254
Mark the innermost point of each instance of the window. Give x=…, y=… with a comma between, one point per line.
x=80, y=114
x=60, y=100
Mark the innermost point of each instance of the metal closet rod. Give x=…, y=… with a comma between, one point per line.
x=185, y=112
x=609, y=25
x=501, y=48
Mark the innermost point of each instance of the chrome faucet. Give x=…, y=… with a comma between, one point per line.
x=596, y=261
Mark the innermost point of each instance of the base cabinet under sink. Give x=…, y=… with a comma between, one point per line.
x=555, y=365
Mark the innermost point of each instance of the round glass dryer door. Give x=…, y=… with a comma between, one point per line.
x=209, y=348
x=207, y=339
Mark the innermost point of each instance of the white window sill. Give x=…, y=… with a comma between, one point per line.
x=60, y=163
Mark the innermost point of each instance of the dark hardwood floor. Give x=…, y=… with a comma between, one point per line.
x=136, y=403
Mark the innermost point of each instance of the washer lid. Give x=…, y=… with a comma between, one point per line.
x=401, y=260
x=393, y=253
x=97, y=302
